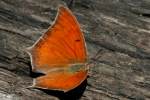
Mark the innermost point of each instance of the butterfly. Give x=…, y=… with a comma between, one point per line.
x=60, y=54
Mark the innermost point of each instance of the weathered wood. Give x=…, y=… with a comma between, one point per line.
x=117, y=33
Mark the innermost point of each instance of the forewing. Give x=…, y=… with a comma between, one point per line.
x=62, y=44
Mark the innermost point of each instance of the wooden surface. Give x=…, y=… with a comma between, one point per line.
x=117, y=34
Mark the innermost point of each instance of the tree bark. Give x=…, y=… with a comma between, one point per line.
x=117, y=34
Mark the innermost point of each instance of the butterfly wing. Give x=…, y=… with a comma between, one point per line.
x=61, y=80
x=57, y=52
x=62, y=44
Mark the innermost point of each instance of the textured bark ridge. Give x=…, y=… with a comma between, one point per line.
x=117, y=34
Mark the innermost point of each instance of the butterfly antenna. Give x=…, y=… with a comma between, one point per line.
x=70, y=3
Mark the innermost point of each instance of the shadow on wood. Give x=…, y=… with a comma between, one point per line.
x=74, y=94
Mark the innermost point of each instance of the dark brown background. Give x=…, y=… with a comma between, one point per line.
x=117, y=34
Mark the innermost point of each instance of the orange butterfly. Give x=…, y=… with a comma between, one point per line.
x=60, y=54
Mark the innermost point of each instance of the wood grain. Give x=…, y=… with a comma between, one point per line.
x=117, y=33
